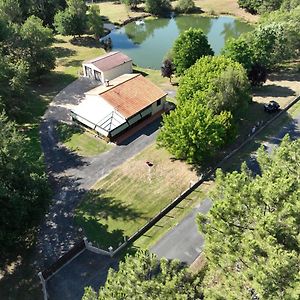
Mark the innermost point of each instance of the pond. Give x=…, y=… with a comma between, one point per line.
x=148, y=43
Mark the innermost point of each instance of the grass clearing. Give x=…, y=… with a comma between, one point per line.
x=84, y=143
x=117, y=13
x=128, y=197
x=71, y=53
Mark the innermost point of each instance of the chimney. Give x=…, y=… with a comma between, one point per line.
x=106, y=82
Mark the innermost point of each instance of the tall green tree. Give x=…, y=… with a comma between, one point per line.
x=23, y=186
x=188, y=47
x=252, y=230
x=36, y=39
x=194, y=133
x=132, y=4
x=144, y=276
x=158, y=7
x=94, y=21
x=217, y=82
x=73, y=20
x=10, y=10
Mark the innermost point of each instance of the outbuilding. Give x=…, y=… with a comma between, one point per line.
x=120, y=104
x=108, y=66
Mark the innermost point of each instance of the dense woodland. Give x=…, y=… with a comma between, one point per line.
x=257, y=222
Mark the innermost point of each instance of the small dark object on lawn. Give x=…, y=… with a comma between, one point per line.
x=272, y=106
x=149, y=164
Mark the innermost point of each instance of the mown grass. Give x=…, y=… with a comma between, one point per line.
x=84, y=143
x=127, y=198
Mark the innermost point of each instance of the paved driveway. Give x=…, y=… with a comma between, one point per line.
x=184, y=241
x=72, y=175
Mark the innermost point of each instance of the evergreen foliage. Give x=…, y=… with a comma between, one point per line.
x=252, y=230
x=144, y=276
x=23, y=186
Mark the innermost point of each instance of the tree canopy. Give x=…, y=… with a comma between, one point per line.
x=194, y=133
x=73, y=20
x=188, y=47
x=217, y=82
x=158, y=7
x=252, y=230
x=23, y=185
x=144, y=276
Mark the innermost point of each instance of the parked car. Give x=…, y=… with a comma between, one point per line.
x=272, y=106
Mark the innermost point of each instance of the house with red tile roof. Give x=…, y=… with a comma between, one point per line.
x=108, y=66
x=119, y=105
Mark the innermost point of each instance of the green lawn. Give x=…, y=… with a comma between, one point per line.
x=84, y=143
x=128, y=197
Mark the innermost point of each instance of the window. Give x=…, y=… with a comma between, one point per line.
x=158, y=102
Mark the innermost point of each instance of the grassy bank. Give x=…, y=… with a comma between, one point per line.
x=118, y=13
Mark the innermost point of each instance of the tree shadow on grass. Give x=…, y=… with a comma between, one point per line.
x=97, y=204
x=95, y=210
x=62, y=52
x=273, y=90
x=85, y=41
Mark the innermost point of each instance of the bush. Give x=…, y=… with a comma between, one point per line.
x=185, y=6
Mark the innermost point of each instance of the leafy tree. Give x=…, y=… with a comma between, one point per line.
x=36, y=39
x=257, y=74
x=158, y=7
x=260, y=6
x=23, y=185
x=252, y=230
x=10, y=10
x=132, y=4
x=194, y=133
x=44, y=9
x=186, y=6
x=242, y=52
x=288, y=5
x=145, y=276
x=95, y=23
x=239, y=50
x=73, y=20
x=230, y=91
x=217, y=82
x=167, y=69
x=269, y=43
x=188, y=47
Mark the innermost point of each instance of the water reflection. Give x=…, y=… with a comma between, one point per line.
x=148, y=44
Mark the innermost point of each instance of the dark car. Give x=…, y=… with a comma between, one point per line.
x=272, y=106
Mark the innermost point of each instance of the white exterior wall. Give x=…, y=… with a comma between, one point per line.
x=156, y=108
x=125, y=68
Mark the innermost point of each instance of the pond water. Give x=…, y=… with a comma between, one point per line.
x=148, y=44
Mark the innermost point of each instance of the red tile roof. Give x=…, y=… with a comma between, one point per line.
x=109, y=61
x=133, y=95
